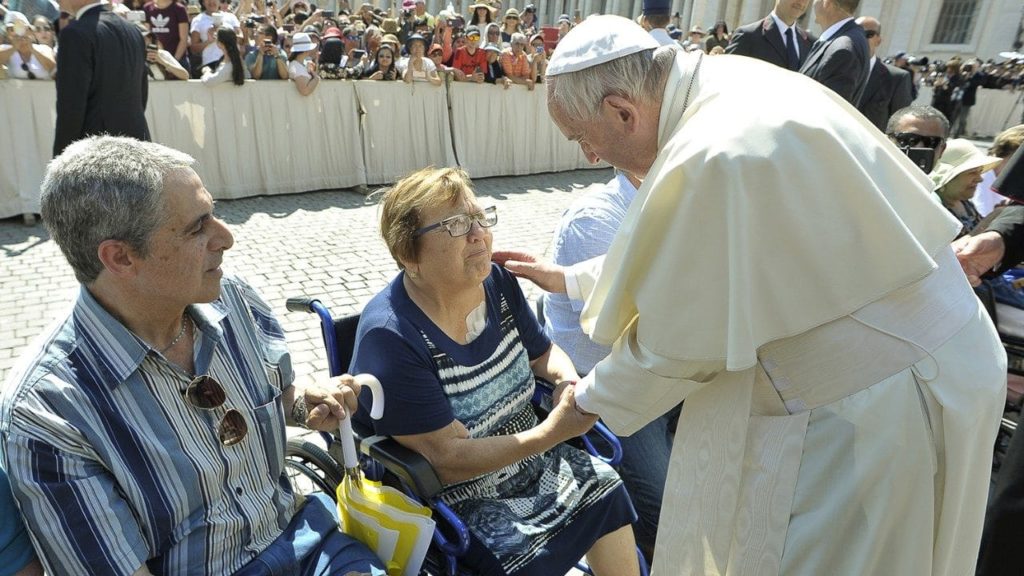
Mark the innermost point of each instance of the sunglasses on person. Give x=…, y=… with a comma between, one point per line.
x=460, y=224
x=206, y=393
x=24, y=67
x=869, y=34
x=911, y=140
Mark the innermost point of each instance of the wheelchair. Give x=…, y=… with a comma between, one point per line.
x=384, y=459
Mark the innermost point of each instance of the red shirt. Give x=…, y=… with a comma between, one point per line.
x=164, y=23
x=469, y=63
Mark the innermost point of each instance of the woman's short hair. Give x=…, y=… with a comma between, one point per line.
x=403, y=203
x=1007, y=142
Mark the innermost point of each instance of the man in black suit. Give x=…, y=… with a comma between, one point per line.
x=888, y=88
x=839, y=59
x=776, y=38
x=102, y=84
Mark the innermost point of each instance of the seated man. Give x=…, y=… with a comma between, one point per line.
x=145, y=433
x=586, y=231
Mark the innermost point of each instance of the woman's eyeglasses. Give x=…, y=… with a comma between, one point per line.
x=206, y=393
x=460, y=224
x=911, y=140
x=31, y=76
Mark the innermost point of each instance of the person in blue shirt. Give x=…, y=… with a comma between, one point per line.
x=586, y=231
x=16, y=555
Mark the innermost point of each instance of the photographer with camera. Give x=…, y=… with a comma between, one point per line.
x=267, y=61
x=162, y=64
x=168, y=21
x=419, y=68
x=383, y=67
x=469, y=60
x=203, y=36
x=920, y=132
x=333, y=59
x=973, y=78
x=302, y=68
x=538, y=57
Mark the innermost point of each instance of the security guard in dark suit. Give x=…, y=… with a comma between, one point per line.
x=102, y=84
x=776, y=38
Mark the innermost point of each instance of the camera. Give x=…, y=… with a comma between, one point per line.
x=924, y=158
x=250, y=23
x=152, y=47
x=267, y=43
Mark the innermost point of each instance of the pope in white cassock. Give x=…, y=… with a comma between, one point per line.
x=786, y=272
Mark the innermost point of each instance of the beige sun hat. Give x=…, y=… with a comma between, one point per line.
x=960, y=156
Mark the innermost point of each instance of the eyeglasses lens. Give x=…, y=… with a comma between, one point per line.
x=461, y=224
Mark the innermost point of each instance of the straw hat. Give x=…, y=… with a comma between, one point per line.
x=960, y=156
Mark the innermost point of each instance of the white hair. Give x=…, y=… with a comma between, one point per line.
x=638, y=77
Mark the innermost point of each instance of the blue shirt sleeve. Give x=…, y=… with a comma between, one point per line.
x=15, y=547
x=414, y=402
x=531, y=333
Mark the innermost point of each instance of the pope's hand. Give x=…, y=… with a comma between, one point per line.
x=548, y=275
x=979, y=254
x=328, y=405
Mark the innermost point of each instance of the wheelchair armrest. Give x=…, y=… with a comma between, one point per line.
x=407, y=464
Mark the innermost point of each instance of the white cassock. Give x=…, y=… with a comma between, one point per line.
x=785, y=270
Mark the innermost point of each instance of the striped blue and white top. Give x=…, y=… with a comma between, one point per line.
x=113, y=468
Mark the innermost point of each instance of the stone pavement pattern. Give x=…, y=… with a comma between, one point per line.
x=322, y=244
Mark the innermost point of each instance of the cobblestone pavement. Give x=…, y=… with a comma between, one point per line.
x=322, y=244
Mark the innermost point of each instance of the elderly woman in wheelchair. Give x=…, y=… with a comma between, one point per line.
x=456, y=347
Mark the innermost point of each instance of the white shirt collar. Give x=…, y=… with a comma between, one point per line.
x=782, y=30
x=88, y=7
x=781, y=25
x=828, y=34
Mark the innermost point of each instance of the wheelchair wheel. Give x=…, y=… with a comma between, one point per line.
x=310, y=468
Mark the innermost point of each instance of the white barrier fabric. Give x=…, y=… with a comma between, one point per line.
x=405, y=128
x=264, y=138
x=994, y=111
x=501, y=132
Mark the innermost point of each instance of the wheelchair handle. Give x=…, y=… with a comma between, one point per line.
x=300, y=304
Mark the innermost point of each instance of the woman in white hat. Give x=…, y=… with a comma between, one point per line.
x=25, y=57
x=302, y=63
x=483, y=14
x=956, y=177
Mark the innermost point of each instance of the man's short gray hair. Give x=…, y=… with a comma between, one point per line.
x=921, y=112
x=106, y=188
x=518, y=38
x=639, y=77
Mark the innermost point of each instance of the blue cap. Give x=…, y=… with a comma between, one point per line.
x=657, y=7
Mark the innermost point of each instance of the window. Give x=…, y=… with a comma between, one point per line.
x=956, y=20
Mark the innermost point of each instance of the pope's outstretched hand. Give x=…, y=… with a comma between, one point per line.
x=548, y=275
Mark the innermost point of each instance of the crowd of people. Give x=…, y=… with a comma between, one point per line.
x=145, y=433
x=216, y=42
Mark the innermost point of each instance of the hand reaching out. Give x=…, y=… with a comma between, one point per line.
x=547, y=275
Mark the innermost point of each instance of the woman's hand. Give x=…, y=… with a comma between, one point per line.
x=567, y=420
x=378, y=75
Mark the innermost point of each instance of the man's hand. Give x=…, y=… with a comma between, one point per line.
x=548, y=276
x=978, y=255
x=328, y=405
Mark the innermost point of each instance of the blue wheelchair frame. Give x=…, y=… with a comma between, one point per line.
x=382, y=454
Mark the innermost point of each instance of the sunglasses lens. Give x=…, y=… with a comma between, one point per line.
x=232, y=428
x=204, y=392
